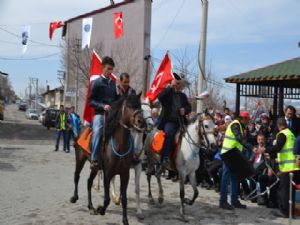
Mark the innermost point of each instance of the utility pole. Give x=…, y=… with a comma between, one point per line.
x=29, y=92
x=77, y=49
x=33, y=82
x=36, y=91
x=202, y=54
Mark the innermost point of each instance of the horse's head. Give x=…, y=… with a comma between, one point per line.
x=207, y=125
x=204, y=126
x=147, y=114
x=132, y=116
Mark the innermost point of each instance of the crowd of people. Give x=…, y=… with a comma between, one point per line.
x=263, y=141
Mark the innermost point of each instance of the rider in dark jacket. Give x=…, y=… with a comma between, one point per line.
x=175, y=107
x=103, y=93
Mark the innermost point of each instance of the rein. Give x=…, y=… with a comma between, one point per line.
x=115, y=151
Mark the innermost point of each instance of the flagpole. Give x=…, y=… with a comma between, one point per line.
x=77, y=49
x=202, y=53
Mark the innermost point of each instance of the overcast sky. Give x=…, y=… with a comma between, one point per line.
x=242, y=35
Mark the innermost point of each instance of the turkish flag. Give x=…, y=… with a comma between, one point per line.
x=95, y=73
x=163, y=77
x=53, y=26
x=118, y=24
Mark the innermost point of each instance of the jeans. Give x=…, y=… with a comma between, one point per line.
x=170, y=130
x=58, y=134
x=69, y=135
x=98, y=124
x=226, y=176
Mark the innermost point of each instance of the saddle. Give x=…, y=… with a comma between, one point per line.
x=158, y=142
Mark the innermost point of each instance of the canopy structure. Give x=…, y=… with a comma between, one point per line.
x=278, y=81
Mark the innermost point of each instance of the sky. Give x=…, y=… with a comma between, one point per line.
x=241, y=36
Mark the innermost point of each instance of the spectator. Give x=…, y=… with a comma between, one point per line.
x=283, y=150
x=228, y=120
x=251, y=133
x=155, y=116
x=233, y=141
x=227, y=112
x=61, y=127
x=74, y=124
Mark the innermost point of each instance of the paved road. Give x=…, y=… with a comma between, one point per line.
x=36, y=184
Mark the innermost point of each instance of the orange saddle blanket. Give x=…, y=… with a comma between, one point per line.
x=158, y=142
x=84, y=140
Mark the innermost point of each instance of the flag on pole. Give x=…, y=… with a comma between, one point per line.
x=53, y=26
x=163, y=77
x=95, y=73
x=86, y=32
x=118, y=24
x=25, y=37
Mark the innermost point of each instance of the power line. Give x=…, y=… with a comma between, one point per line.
x=33, y=58
x=35, y=23
x=32, y=41
x=171, y=24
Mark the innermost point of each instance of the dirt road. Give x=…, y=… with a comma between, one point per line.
x=37, y=183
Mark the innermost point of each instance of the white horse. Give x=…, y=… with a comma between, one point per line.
x=199, y=132
x=138, y=155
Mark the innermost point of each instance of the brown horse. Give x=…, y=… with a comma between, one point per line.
x=117, y=155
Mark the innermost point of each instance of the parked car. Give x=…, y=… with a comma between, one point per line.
x=42, y=117
x=50, y=117
x=1, y=111
x=32, y=114
x=22, y=106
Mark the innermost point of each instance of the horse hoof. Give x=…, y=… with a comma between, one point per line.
x=184, y=219
x=188, y=201
x=93, y=211
x=151, y=201
x=101, y=210
x=74, y=199
x=125, y=222
x=140, y=216
x=117, y=201
x=160, y=200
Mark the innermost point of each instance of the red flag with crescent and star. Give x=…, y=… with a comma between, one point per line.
x=118, y=24
x=53, y=26
x=163, y=77
x=95, y=73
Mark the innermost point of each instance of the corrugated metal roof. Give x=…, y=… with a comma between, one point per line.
x=99, y=11
x=287, y=70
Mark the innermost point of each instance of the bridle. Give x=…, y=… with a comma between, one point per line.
x=132, y=119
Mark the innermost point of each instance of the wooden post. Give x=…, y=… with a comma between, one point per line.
x=275, y=103
x=237, y=100
x=281, y=101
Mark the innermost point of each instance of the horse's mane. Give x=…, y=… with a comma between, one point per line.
x=113, y=118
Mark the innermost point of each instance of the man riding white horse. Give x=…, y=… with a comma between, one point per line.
x=175, y=107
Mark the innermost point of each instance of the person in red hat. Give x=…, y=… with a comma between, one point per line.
x=233, y=140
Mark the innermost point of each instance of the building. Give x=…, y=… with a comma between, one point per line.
x=130, y=52
x=53, y=98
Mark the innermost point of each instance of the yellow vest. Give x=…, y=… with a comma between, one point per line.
x=230, y=141
x=286, y=157
x=62, y=125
